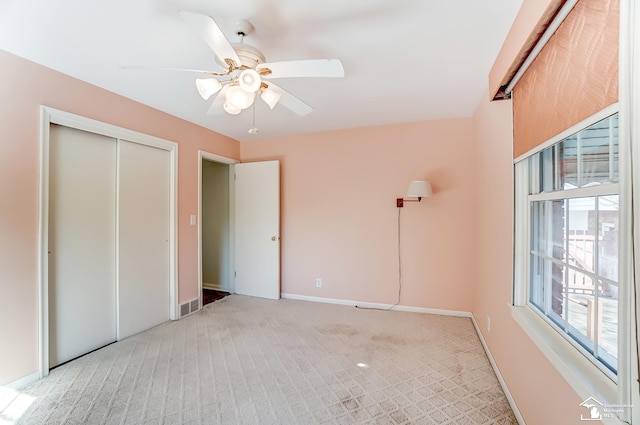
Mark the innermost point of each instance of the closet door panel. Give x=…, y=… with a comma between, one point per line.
x=82, y=233
x=143, y=250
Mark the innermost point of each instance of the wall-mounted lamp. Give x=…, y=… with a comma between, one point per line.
x=417, y=189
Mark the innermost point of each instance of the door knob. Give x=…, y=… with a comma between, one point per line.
x=275, y=238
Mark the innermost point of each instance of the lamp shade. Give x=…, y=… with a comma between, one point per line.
x=270, y=97
x=207, y=87
x=249, y=80
x=419, y=189
x=239, y=98
x=231, y=109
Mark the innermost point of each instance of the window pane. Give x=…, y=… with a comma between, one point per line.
x=542, y=171
x=586, y=158
x=569, y=237
x=547, y=228
x=595, y=147
x=581, y=235
x=608, y=245
x=567, y=152
x=582, y=310
x=608, y=346
x=608, y=254
x=558, y=311
x=556, y=228
x=538, y=239
x=548, y=169
x=594, y=320
x=537, y=282
x=534, y=173
x=614, y=148
x=546, y=287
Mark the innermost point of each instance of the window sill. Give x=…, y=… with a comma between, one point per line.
x=582, y=375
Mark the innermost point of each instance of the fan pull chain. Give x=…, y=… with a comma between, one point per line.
x=254, y=129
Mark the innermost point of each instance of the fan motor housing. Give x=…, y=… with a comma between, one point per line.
x=249, y=55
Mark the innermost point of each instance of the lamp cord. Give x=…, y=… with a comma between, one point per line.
x=399, y=274
x=399, y=264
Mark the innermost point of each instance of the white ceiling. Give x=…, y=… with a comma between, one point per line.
x=404, y=60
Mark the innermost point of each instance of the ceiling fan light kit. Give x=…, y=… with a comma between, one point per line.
x=247, y=68
x=207, y=87
x=250, y=80
x=230, y=109
x=270, y=97
x=239, y=98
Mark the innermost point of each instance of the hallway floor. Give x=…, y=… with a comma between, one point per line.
x=210, y=295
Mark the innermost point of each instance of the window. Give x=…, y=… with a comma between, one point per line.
x=570, y=247
x=573, y=207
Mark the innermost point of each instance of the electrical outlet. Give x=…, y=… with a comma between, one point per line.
x=488, y=323
x=318, y=283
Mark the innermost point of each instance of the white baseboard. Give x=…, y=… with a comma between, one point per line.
x=377, y=305
x=503, y=384
x=23, y=382
x=214, y=287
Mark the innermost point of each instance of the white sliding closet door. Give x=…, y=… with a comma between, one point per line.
x=143, y=246
x=82, y=233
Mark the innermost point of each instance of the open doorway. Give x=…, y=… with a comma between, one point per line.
x=215, y=231
x=238, y=228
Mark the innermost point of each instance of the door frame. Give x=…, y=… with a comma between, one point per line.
x=50, y=116
x=204, y=155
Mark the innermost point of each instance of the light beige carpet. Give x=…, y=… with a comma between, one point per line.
x=244, y=360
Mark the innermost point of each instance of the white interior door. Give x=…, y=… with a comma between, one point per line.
x=82, y=220
x=257, y=229
x=143, y=241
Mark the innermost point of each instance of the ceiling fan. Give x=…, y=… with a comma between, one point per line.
x=247, y=74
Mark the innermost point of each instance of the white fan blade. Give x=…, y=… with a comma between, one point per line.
x=331, y=68
x=164, y=68
x=291, y=102
x=212, y=35
x=217, y=106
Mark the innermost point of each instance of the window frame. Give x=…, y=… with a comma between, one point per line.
x=578, y=367
x=568, y=194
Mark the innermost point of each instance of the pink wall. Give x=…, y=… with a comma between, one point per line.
x=339, y=219
x=524, y=31
x=531, y=379
x=24, y=87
